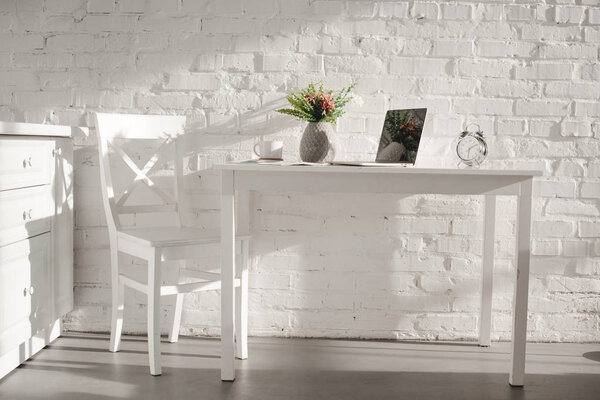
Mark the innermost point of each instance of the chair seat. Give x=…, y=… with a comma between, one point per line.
x=171, y=236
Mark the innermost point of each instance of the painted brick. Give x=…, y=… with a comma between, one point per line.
x=372, y=27
x=551, y=32
x=589, y=229
x=292, y=63
x=11, y=42
x=483, y=106
x=102, y=6
x=572, y=207
x=238, y=62
x=337, y=265
x=393, y=9
x=490, y=12
x=569, y=15
x=570, y=51
x=572, y=90
x=559, y=229
x=591, y=34
x=484, y=68
x=452, y=48
x=590, y=190
x=545, y=247
x=225, y=7
x=416, y=67
x=295, y=8
x=423, y=10
x=512, y=88
x=544, y=71
x=587, y=109
x=519, y=13
x=456, y=11
x=449, y=86
x=542, y=107
x=194, y=81
x=576, y=248
x=503, y=49
x=556, y=189
x=594, y=16
x=373, y=46
x=575, y=128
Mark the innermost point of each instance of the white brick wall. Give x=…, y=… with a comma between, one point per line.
x=334, y=265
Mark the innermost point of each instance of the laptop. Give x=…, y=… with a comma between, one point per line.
x=399, y=142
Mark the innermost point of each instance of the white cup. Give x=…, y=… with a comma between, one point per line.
x=269, y=150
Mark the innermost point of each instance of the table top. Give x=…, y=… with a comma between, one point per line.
x=28, y=129
x=375, y=170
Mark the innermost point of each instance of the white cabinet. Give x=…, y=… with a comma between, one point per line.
x=24, y=290
x=36, y=237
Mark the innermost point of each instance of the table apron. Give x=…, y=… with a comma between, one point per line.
x=377, y=183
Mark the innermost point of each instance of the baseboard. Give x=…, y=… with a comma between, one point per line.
x=15, y=357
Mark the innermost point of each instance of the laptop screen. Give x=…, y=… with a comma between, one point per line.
x=401, y=135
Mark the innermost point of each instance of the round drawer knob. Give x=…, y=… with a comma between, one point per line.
x=27, y=162
x=31, y=290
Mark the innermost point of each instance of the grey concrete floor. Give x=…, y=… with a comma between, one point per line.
x=79, y=367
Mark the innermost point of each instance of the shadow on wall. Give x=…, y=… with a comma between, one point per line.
x=229, y=108
x=233, y=137
x=315, y=262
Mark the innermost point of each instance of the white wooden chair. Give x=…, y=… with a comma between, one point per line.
x=160, y=243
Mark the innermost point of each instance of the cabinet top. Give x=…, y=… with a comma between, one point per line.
x=27, y=129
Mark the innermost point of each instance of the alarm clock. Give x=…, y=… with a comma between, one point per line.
x=471, y=147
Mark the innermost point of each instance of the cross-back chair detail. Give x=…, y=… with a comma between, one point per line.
x=142, y=177
x=166, y=129
x=159, y=243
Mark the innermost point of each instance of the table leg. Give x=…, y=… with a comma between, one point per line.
x=487, y=273
x=241, y=305
x=241, y=292
x=519, y=331
x=227, y=274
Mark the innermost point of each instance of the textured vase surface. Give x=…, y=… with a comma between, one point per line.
x=315, y=144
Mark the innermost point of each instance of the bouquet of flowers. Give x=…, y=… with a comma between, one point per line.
x=315, y=104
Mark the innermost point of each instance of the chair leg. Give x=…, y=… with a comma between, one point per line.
x=118, y=304
x=241, y=307
x=154, y=311
x=176, y=318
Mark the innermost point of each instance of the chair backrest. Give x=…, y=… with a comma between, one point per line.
x=114, y=128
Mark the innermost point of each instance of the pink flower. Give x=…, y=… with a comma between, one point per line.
x=325, y=96
x=327, y=107
x=327, y=103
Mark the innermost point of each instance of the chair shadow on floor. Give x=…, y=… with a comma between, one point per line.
x=166, y=353
x=287, y=370
x=592, y=355
x=135, y=383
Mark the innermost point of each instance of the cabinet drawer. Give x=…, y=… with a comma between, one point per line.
x=25, y=304
x=25, y=213
x=25, y=163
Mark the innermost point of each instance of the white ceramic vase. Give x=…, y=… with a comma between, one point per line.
x=315, y=145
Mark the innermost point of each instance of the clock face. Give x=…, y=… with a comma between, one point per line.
x=469, y=148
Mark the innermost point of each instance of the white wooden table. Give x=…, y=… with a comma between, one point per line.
x=340, y=179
